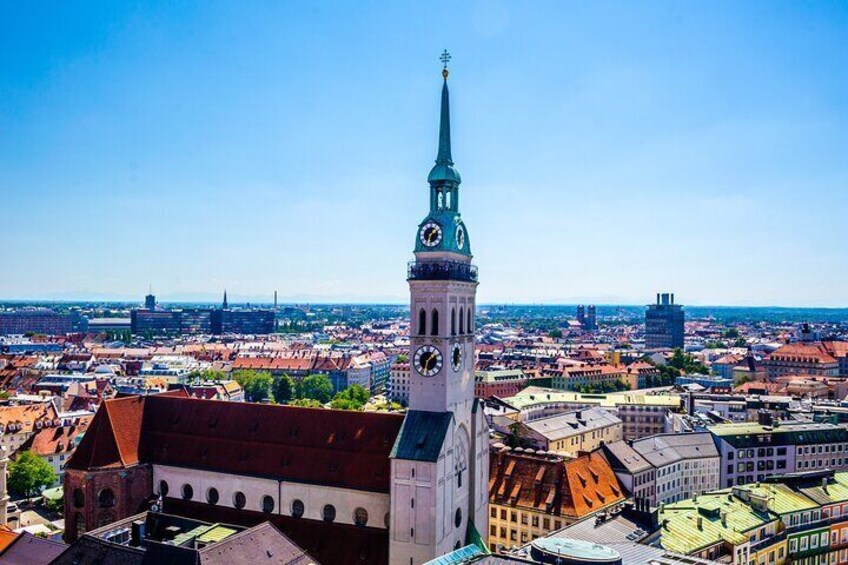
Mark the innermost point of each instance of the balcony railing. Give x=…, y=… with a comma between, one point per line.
x=441, y=271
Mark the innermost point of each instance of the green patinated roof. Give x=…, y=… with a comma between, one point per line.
x=444, y=180
x=215, y=534
x=443, y=170
x=206, y=533
x=421, y=436
x=781, y=498
x=538, y=395
x=682, y=534
x=835, y=492
x=796, y=493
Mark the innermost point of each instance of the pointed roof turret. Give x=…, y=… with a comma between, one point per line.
x=225, y=305
x=443, y=170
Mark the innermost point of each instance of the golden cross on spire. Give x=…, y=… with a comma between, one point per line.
x=445, y=59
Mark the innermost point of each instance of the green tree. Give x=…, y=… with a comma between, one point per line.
x=208, y=375
x=353, y=397
x=686, y=363
x=556, y=334
x=283, y=389
x=306, y=403
x=730, y=333
x=257, y=385
x=317, y=387
x=29, y=473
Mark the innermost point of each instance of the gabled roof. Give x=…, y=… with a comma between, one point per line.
x=622, y=457
x=28, y=549
x=332, y=447
x=61, y=439
x=112, y=439
x=422, y=436
x=574, y=488
x=664, y=449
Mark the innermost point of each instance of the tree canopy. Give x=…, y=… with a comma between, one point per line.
x=306, y=403
x=29, y=473
x=257, y=385
x=317, y=387
x=283, y=389
x=353, y=397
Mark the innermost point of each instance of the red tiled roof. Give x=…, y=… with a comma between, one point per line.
x=339, y=448
x=573, y=488
x=52, y=441
x=805, y=352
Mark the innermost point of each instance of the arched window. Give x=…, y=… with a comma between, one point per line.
x=79, y=498
x=188, y=492
x=461, y=321
x=453, y=321
x=163, y=488
x=329, y=513
x=360, y=516
x=422, y=322
x=434, y=322
x=470, y=322
x=239, y=500
x=448, y=199
x=297, y=508
x=457, y=519
x=267, y=504
x=212, y=495
x=106, y=498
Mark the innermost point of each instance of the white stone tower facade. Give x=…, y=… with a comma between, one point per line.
x=440, y=461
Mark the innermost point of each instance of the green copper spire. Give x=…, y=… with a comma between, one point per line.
x=443, y=230
x=443, y=170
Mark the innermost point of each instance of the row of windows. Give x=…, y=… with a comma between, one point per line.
x=296, y=510
x=534, y=520
x=808, y=542
x=434, y=321
x=768, y=465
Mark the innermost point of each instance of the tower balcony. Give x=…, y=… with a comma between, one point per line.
x=441, y=271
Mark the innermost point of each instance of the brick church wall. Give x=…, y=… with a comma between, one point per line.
x=100, y=497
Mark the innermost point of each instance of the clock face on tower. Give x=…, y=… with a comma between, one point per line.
x=431, y=234
x=456, y=357
x=460, y=237
x=428, y=360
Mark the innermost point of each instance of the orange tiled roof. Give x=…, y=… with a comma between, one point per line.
x=7, y=537
x=550, y=484
x=53, y=441
x=805, y=352
x=27, y=415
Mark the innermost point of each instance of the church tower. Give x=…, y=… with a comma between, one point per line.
x=440, y=459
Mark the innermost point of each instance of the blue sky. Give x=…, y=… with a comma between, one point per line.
x=609, y=150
